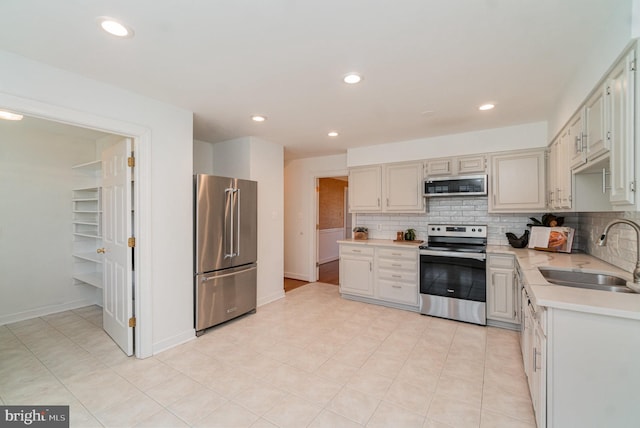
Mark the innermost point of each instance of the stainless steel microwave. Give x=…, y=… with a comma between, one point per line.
x=469, y=185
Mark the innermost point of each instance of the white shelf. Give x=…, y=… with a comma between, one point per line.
x=87, y=234
x=92, y=257
x=93, y=278
x=93, y=165
x=86, y=223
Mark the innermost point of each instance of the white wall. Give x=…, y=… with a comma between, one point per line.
x=35, y=222
x=165, y=145
x=262, y=161
x=489, y=140
x=615, y=35
x=300, y=211
x=232, y=158
x=202, y=157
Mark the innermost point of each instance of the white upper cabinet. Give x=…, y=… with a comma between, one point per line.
x=388, y=188
x=403, y=187
x=594, y=126
x=518, y=181
x=475, y=164
x=575, y=141
x=620, y=87
x=365, y=189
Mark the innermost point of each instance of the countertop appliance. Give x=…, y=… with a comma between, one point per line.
x=225, y=253
x=466, y=185
x=453, y=272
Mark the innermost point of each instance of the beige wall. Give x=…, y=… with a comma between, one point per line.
x=331, y=200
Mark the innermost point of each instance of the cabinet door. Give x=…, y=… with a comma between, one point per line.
x=576, y=147
x=403, y=187
x=620, y=93
x=440, y=167
x=471, y=165
x=500, y=295
x=518, y=182
x=552, y=173
x=566, y=146
x=539, y=375
x=356, y=275
x=595, y=129
x=365, y=185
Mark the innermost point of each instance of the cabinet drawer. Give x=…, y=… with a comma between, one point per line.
x=507, y=262
x=398, y=292
x=398, y=275
x=361, y=250
x=401, y=265
x=391, y=253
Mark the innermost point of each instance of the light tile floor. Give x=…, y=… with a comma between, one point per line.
x=310, y=359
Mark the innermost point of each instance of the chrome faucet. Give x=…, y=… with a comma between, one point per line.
x=603, y=242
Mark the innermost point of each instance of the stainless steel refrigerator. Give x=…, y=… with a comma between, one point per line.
x=226, y=251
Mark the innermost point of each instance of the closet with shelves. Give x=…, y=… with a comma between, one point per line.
x=86, y=220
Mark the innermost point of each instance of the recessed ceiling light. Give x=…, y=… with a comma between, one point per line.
x=352, y=78
x=258, y=118
x=114, y=27
x=484, y=107
x=7, y=115
x=332, y=134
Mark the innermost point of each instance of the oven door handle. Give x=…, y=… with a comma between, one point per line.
x=455, y=255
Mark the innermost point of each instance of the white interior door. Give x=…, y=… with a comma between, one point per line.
x=116, y=231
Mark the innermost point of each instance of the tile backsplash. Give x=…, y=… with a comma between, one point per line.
x=621, y=247
x=621, y=244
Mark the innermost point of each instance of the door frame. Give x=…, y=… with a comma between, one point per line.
x=141, y=136
x=314, y=218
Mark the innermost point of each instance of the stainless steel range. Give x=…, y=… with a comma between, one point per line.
x=453, y=272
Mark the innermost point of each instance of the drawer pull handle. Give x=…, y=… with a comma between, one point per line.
x=396, y=276
x=450, y=290
x=396, y=265
x=396, y=254
x=396, y=286
x=356, y=251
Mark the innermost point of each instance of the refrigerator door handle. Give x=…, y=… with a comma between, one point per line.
x=237, y=252
x=228, y=222
x=227, y=274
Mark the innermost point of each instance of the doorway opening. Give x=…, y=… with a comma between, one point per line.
x=333, y=224
x=56, y=256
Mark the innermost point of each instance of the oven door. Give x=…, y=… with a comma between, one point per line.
x=453, y=285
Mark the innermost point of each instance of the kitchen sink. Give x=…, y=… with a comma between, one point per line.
x=592, y=281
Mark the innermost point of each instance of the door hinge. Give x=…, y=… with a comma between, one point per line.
x=632, y=186
x=131, y=242
x=632, y=65
x=608, y=91
x=132, y=322
x=131, y=161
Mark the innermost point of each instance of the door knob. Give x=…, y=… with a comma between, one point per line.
x=100, y=251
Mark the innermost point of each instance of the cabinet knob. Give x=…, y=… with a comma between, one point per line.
x=100, y=251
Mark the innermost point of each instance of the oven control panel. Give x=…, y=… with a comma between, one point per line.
x=462, y=231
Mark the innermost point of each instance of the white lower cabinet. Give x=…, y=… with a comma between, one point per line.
x=397, y=275
x=380, y=274
x=534, y=356
x=356, y=270
x=502, y=293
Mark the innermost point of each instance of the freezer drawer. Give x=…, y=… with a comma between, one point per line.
x=224, y=295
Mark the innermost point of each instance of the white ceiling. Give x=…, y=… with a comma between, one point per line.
x=228, y=59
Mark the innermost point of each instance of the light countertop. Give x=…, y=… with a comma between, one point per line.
x=381, y=242
x=543, y=293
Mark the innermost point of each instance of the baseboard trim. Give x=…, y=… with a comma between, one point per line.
x=299, y=277
x=272, y=298
x=174, y=341
x=45, y=310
